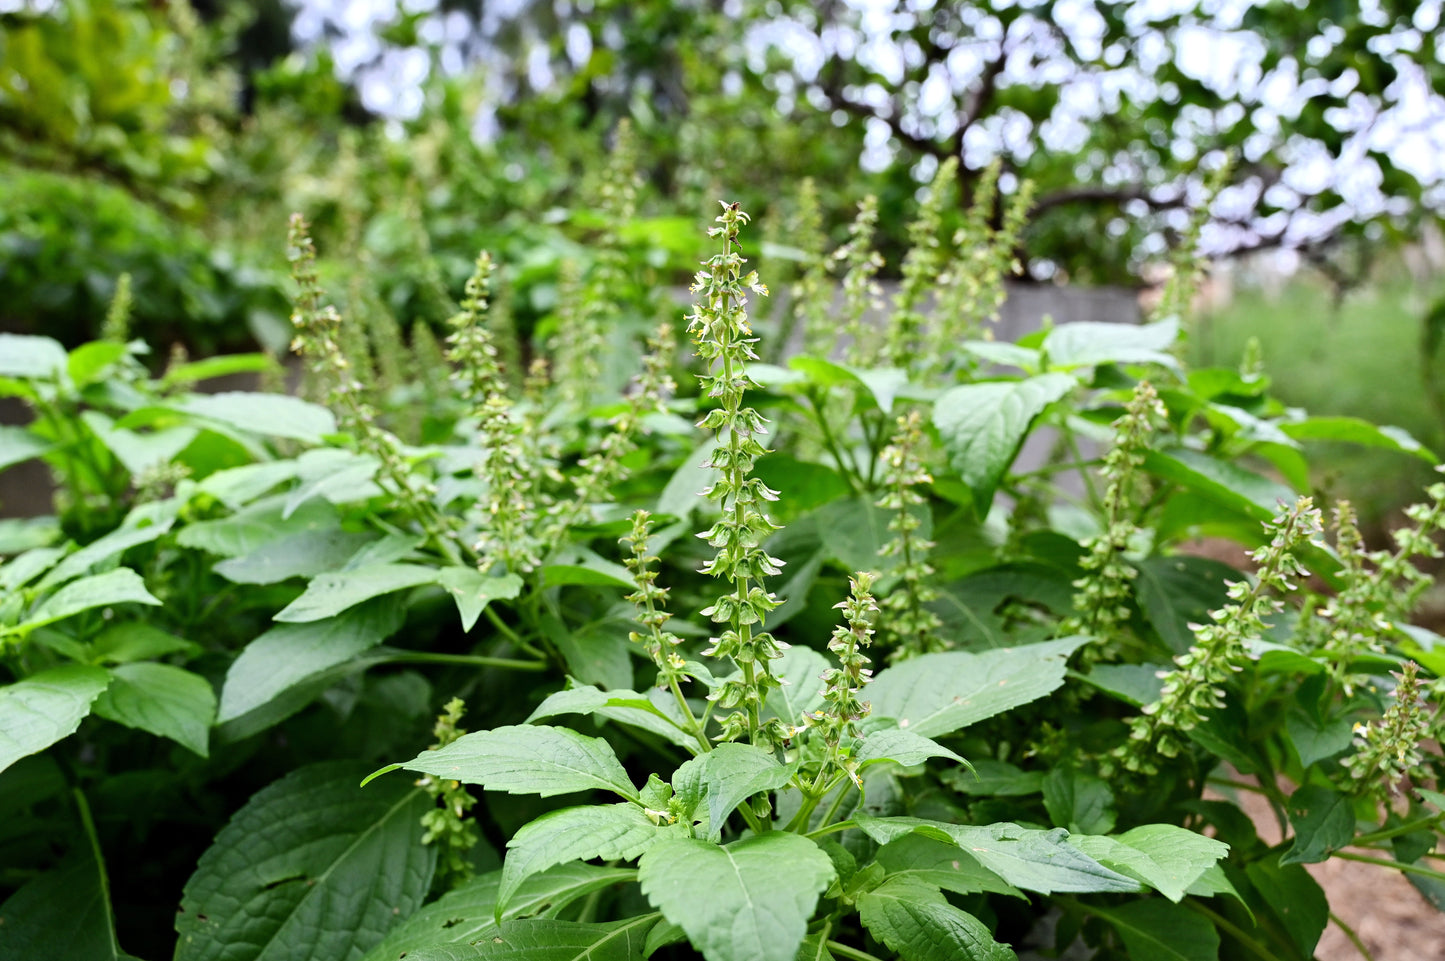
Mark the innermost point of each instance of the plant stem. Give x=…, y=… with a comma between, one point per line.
x=831, y=443
x=1354, y=938
x=94, y=839
x=1224, y=923
x=828, y=829
x=474, y=660
x=853, y=953
x=1385, y=835
x=1397, y=865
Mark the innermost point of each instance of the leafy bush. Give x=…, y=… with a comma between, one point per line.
x=682, y=745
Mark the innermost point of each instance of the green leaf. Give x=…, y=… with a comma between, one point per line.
x=473, y=591
x=529, y=759
x=991, y=778
x=549, y=940
x=730, y=774
x=1353, y=430
x=1295, y=898
x=45, y=707
x=758, y=893
x=18, y=445
x=983, y=425
x=120, y=586
x=163, y=700
x=915, y=920
x=468, y=913
x=939, y=693
x=280, y=672
x=971, y=608
x=598, y=653
x=312, y=867
x=1088, y=344
x=89, y=363
x=64, y=913
x=337, y=476
x=137, y=641
x=1180, y=590
x=1079, y=801
x=854, y=529
x=305, y=553
x=1028, y=858
x=1136, y=684
x=814, y=948
x=612, y=832
x=622, y=706
x=902, y=747
x=1323, y=822
x=134, y=532
x=1228, y=484
x=135, y=450
x=274, y=415
x=36, y=358
x=258, y=524
x=239, y=486
x=1155, y=930
x=681, y=495
x=1166, y=857
x=331, y=593
x=800, y=669
x=222, y=366
x=26, y=567
x=941, y=864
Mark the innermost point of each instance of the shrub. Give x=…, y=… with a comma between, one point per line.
x=876, y=682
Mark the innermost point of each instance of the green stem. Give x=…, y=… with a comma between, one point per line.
x=855, y=954
x=1387, y=863
x=831, y=444
x=94, y=839
x=473, y=660
x=1385, y=835
x=828, y=829
x=1354, y=938
x=1225, y=924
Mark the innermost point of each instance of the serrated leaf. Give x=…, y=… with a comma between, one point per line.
x=468, y=913
x=682, y=493
x=1166, y=857
x=1315, y=739
x=120, y=586
x=612, y=832
x=800, y=669
x=1353, y=430
x=255, y=526
x=1090, y=343
x=331, y=593
x=1136, y=684
x=1323, y=822
x=238, y=486
x=529, y=759
x=137, y=641
x=24, y=568
x=915, y=920
x=473, y=591
x=337, y=476
x=1029, y=858
x=938, y=693
x=289, y=658
x=814, y=948
x=133, y=533
x=18, y=445
x=983, y=425
x=728, y=775
x=760, y=893
x=1079, y=801
x=991, y=778
x=903, y=747
x=941, y=864
x=624, y=707
x=311, y=867
x=549, y=940
x=135, y=450
x=1155, y=930
x=1223, y=482
x=164, y=700
x=63, y=913
x=854, y=529
x=45, y=707
x=31, y=357
x=274, y=415
x=303, y=554
x=1175, y=591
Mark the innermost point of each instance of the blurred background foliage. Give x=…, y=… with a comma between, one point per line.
x=170, y=141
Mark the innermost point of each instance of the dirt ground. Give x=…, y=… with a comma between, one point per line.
x=1389, y=915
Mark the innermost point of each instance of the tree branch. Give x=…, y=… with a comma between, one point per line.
x=1086, y=194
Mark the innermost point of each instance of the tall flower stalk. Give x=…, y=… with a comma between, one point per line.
x=861, y=291
x=1219, y=650
x=910, y=627
x=724, y=339
x=904, y=345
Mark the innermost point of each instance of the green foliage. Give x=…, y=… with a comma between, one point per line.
x=245, y=601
